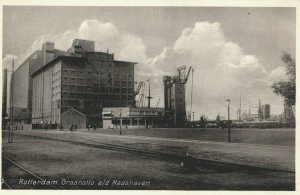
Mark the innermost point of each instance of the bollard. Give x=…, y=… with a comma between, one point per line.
x=187, y=162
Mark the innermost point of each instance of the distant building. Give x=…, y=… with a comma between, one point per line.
x=265, y=112
x=132, y=117
x=82, y=80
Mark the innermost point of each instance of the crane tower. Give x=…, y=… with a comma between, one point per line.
x=174, y=93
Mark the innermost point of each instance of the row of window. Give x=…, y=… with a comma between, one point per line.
x=82, y=81
x=82, y=72
x=83, y=89
x=103, y=81
x=101, y=63
x=85, y=96
x=148, y=113
x=103, y=59
x=89, y=74
x=56, y=79
x=123, y=83
x=76, y=73
x=123, y=77
x=56, y=73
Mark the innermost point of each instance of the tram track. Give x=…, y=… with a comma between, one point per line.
x=177, y=158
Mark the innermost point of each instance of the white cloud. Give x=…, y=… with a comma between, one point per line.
x=7, y=61
x=106, y=36
x=278, y=74
x=222, y=71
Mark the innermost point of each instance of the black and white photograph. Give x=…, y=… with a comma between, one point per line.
x=149, y=97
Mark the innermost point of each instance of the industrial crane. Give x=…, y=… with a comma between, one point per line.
x=140, y=84
x=140, y=91
x=157, y=103
x=174, y=91
x=141, y=100
x=181, y=77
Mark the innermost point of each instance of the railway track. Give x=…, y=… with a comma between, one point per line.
x=5, y=185
x=177, y=158
x=16, y=176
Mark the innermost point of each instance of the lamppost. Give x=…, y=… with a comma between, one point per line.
x=11, y=131
x=193, y=120
x=229, y=140
x=121, y=121
x=204, y=120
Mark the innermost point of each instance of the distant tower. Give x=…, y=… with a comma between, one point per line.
x=265, y=109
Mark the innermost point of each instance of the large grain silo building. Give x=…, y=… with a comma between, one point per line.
x=73, y=87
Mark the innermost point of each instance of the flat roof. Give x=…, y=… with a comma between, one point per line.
x=118, y=61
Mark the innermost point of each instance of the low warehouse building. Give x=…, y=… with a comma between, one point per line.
x=133, y=117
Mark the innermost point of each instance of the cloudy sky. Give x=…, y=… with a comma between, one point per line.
x=234, y=51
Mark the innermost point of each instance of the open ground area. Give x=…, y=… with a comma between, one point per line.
x=257, y=159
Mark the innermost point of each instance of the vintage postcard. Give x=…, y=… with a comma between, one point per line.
x=188, y=97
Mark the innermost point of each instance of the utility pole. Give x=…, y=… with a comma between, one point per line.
x=11, y=131
x=149, y=97
x=121, y=121
x=229, y=140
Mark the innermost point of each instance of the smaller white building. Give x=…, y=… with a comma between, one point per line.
x=128, y=117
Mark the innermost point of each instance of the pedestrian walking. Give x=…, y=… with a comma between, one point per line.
x=71, y=128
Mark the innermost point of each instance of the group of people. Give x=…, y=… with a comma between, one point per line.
x=94, y=127
x=74, y=127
